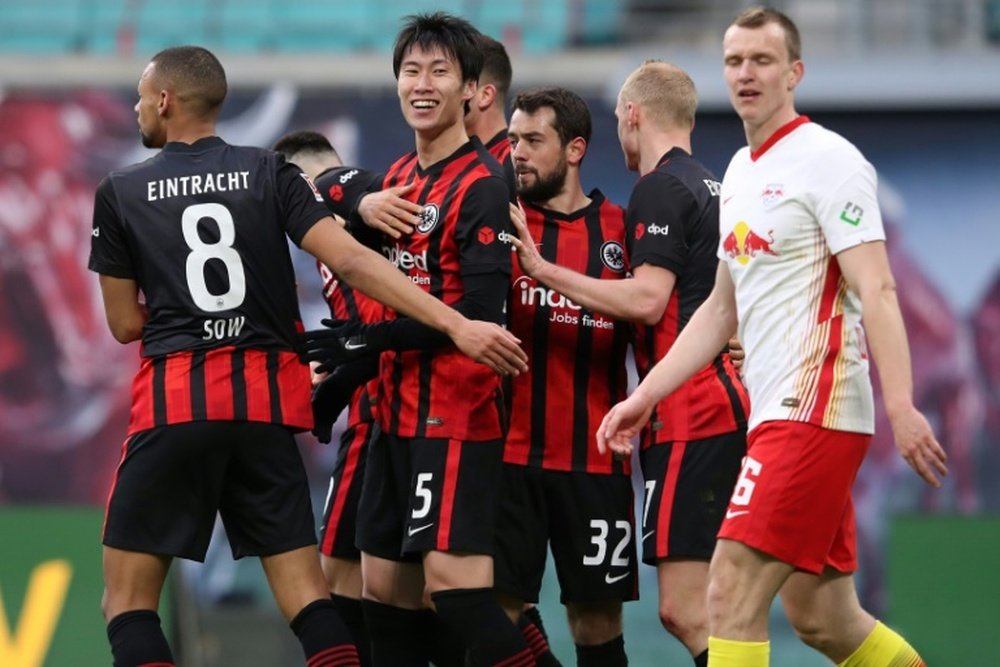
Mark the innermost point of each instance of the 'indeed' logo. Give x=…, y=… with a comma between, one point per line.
x=532, y=294
x=404, y=259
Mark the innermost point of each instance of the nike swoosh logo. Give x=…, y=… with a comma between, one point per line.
x=414, y=531
x=349, y=345
x=646, y=536
x=730, y=514
x=608, y=579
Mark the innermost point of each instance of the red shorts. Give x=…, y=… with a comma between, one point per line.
x=793, y=496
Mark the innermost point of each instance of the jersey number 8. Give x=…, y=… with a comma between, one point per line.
x=202, y=252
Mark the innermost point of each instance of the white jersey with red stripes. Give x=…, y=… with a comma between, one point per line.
x=786, y=210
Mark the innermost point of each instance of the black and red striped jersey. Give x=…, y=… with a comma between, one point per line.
x=202, y=230
x=499, y=147
x=442, y=393
x=346, y=303
x=673, y=222
x=576, y=357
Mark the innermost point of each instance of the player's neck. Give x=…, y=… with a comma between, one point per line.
x=659, y=144
x=190, y=131
x=758, y=134
x=434, y=146
x=489, y=125
x=571, y=199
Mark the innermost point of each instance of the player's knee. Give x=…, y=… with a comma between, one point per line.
x=679, y=619
x=594, y=623
x=811, y=629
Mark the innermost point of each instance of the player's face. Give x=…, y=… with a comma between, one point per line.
x=627, y=136
x=538, y=153
x=432, y=94
x=759, y=74
x=147, y=110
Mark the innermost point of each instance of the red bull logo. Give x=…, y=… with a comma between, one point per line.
x=742, y=244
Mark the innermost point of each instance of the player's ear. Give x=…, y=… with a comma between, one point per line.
x=795, y=75
x=487, y=94
x=469, y=89
x=164, y=101
x=575, y=150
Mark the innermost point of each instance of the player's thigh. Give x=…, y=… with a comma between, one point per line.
x=453, y=495
x=266, y=507
x=687, y=488
x=167, y=489
x=384, y=502
x=592, y=534
x=522, y=533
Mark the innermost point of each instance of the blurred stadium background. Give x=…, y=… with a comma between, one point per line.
x=914, y=83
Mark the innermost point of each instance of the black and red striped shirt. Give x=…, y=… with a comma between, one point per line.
x=499, y=147
x=202, y=230
x=441, y=393
x=673, y=222
x=576, y=357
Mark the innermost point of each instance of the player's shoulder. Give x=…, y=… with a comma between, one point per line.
x=825, y=142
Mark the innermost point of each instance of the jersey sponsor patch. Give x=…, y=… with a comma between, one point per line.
x=486, y=236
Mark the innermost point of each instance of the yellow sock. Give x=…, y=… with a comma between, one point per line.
x=884, y=648
x=728, y=653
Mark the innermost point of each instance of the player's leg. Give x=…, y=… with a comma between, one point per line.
x=688, y=485
x=340, y=558
x=393, y=585
x=452, y=521
x=267, y=512
x=522, y=536
x=593, y=544
x=162, y=469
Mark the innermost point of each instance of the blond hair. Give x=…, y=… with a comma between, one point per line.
x=665, y=91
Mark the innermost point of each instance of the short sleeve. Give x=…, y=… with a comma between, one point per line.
x=301, y=204
x=483, y=228
x=342, y=187
x=655, y=222
x=849, y=213
x=109, y=250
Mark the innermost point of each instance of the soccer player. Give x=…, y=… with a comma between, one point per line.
x=803, y=267
x=352, y=385
x=389, y=211
x=691, y=453
x=200, y=230
x=429, y=500
x=558, y=490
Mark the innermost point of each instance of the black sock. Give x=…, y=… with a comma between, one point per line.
x=354, y=619
x=445, y=646
x=489, y=636
x=324, y=637
x=701, y=660
x=396, y=636
x=137, y=639
x=530, y=625
x=608, y=654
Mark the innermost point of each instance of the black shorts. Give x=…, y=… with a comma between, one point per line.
x=589, y=521
x=423, y=494
x=340, y=511
x=172, y=481
x=688, y=485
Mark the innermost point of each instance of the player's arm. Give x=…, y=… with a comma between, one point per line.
x=388, y=211
x=865, y=267
x=125, y=313
x=641, y=298
x=698, y=344
x=371, y=273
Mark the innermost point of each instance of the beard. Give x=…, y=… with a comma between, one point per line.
x=545, y=187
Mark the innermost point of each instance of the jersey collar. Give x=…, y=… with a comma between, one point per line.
x=778, y=135
x=675, y=151
x=203, y=144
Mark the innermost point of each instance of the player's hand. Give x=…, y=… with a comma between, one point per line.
x=622, y=423
x=736, y=353
x=329, y=398
x=917, y=445
x=340, y=342
x=527, y=252
x=388, y=212
x=491, y=344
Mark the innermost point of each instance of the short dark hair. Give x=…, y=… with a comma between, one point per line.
x=195, y=75
x=572, y=116
x=757, y=17
x=496, y=65
x=455, y=36
x=303, y=142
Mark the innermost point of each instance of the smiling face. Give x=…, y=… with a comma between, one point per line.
x=147, y=110
x=761, y=77
x=540, y=158
x=431, y=92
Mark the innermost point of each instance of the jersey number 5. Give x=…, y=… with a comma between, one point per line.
x=223, y=251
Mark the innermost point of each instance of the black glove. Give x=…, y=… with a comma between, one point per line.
x=333, y=394
x=342, y=341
